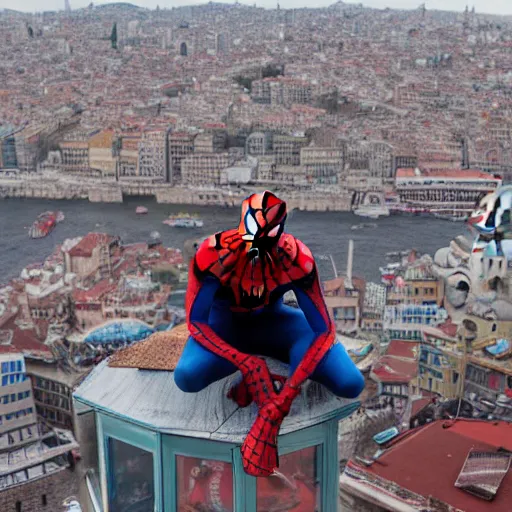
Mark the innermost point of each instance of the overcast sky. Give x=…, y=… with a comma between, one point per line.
x=487, y=6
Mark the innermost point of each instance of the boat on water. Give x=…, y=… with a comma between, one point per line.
x=141, y=210
x=184, y=220
x=363, y=225
x=388, y=273
x=372, y=211
x=45, y=224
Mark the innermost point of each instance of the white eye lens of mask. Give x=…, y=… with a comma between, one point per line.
x=251, y=225
x=274, y=231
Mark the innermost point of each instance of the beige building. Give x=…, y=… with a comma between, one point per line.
x=287, y=149
x=441, y=362
x=90, y=256
x=203, y=169
x=322, y=165
x=75, y=156
x=101, y=155
x=214, y=142
x=129, y=156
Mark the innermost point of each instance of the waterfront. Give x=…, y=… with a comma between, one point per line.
x=324, y=233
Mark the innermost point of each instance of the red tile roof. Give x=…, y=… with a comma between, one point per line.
x=393, y=370
x=88, y=243
x=26, y=340
x=403, y=349
x=449, y=328
x=419, y=404
x=428, y=460
x=94, y=293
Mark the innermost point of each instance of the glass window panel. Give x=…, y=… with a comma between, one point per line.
x=204, y=485
x=295, y=486
x=132, y=484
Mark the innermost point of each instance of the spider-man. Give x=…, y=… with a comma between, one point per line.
x=235, y=313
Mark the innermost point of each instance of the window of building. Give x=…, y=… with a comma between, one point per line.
x=132, y=480
x=296, y=480
x=43, y=500
x=455, y=377
x=204, y=483
x=18, y=506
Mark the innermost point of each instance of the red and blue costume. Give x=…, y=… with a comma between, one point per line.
x=235, y=313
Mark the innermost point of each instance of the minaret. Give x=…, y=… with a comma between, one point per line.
x=67, y=6
x=350, y=261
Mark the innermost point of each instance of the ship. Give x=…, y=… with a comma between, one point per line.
x=447, y=193
x=45, y=224
x=141, y=210
x=184, y=220
x=363, y=225
x=372, y=210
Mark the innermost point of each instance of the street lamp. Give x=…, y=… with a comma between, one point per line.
x=328, y=257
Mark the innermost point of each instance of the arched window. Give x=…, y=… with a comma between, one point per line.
x=183, y=49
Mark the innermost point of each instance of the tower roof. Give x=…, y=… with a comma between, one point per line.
x=151, y=399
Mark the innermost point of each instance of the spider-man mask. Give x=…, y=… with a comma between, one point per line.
x=262, y=222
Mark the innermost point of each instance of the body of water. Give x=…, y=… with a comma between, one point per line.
x=325, y=233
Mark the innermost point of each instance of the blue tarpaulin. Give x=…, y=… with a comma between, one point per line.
x=120, y=331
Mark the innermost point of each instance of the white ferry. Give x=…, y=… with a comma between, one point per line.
x=184, y=220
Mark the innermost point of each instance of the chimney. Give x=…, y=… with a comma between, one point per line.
x=350, y=260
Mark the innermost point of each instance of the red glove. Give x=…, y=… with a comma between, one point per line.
x=259, y=450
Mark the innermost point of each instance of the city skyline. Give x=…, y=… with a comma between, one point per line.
x=495, y=7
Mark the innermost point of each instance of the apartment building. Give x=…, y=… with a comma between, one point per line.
x=214, y=142
x=18, y=421
x=258, y=144
x=152, y=159
x=180, y=145
x=287, y=149
x=75, y=151
x=322, y=165
x=203, y=169
x=129, y=156
x=282, y=91
x=53, y=389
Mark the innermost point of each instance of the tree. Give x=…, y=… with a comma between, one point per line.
x=113, y=36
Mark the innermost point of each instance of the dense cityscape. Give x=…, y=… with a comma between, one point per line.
x=373, y=112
